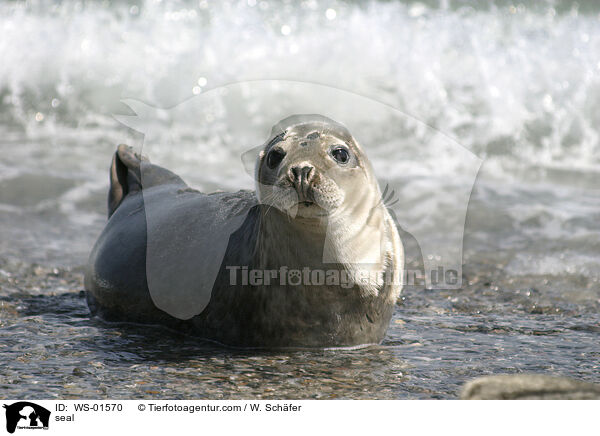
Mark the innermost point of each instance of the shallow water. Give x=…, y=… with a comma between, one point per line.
x=436, y=341
x=518, y=86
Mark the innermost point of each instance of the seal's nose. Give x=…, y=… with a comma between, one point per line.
x=301, y=176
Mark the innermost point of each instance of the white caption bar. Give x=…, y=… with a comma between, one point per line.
x=158, y=417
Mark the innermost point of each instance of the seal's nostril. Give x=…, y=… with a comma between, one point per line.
x=307, y=173
x=301, y=175
x=295, y=174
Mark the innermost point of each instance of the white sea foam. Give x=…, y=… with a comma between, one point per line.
x=503, y=81
x=518, y=86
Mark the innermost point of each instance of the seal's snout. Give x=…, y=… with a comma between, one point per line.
x=302, y=177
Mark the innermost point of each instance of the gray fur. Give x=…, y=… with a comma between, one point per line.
x=267, y=238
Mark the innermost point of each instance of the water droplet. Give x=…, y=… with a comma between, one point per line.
x=330, y=14
x=285, y=29
x=55, y=102
x=547, y=102
x=417, y=9
x=39, y=117
x=196, y=90
x=85, y=44
x=202, y=81
x=134, y=10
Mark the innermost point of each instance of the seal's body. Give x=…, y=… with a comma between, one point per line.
x=326, y=250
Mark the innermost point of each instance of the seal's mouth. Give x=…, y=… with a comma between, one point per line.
x=310, y=209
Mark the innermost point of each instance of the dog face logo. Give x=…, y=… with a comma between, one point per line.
x=26, y=415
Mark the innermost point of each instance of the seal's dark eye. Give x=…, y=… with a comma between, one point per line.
x=340, y=154
x=274, y=158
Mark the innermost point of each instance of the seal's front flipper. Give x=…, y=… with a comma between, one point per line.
x=131, y=172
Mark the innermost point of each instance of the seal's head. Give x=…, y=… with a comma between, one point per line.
x=311, y=167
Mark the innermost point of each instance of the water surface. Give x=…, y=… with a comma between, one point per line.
x=516, y=85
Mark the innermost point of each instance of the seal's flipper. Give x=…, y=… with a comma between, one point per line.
x=125, y=176
x=132, y=172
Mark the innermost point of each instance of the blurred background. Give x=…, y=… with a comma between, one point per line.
x=515, y=83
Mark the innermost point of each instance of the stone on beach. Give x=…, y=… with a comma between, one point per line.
x=529, y=387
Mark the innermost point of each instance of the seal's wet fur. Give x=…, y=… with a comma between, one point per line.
x=242, y=315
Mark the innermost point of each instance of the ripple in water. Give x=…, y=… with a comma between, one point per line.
x=518, y=86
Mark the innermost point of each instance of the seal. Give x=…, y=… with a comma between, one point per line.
x=312, y=258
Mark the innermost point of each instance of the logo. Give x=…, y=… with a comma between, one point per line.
x=26, y=415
